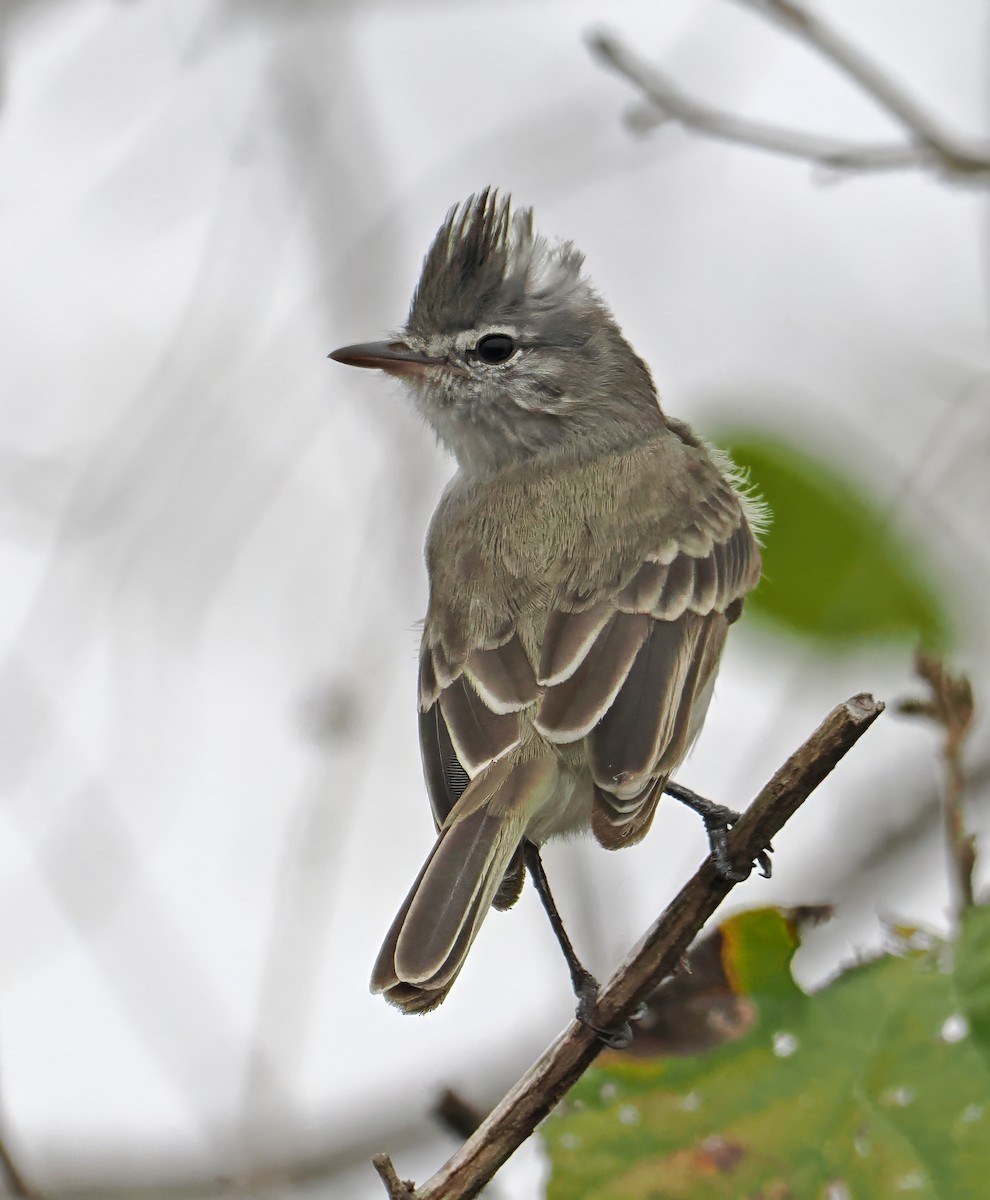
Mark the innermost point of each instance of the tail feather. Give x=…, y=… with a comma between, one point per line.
x=464, y=873
x=430, y=937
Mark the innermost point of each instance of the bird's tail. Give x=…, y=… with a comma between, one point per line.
x=476, y=848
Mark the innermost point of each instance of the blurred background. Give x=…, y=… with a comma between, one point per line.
x=211, y=552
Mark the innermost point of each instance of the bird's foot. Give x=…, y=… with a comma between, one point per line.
x=718, y=820
x=616, y=1037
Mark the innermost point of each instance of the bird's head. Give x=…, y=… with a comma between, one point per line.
x=509, y=351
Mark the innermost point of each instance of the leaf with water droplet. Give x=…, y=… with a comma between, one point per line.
x=870, y=1094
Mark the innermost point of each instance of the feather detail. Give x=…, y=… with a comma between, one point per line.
x=444, y=669
x=625, y=747
x=474, y=858
x=445, y=775
x=678, y=590
x=696, y=694
x=569, y=710
x=567, y=638
x=651, y=725
x=478, y=735
x=429, y=688
x=455, y=892
x=642, y=593
x=503, y=677
x=705, y=585
x=615, y=830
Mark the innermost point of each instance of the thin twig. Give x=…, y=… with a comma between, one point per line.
x=851, y=61
x=398, y=1189
x=13, y=1181
x=456, y=1114
x=672, y=103
x=657, y=954
x=930, y=146
x=950, y=705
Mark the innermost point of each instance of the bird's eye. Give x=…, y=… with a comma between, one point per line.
x=495, y=348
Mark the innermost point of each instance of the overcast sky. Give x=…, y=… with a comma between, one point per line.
x=212, y=536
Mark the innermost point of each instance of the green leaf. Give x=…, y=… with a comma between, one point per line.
x=835, y=568
x=868, y=1088
x=973, y=977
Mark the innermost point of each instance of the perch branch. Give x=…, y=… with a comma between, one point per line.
x=513, y=1120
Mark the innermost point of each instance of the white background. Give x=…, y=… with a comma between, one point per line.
x=211, y=563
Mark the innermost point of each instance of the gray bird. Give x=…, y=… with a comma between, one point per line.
x=585, y=564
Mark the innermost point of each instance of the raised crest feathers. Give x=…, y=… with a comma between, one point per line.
x=487, y=265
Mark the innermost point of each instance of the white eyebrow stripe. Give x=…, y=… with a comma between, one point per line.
x=467, y=339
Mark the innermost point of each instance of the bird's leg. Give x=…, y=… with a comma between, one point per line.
x=718, y=821
x=585, y=985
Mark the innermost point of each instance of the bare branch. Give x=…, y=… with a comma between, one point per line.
x=655, y=957
x=950, y=706
x=398, y=1189
x=930, y=147
x=834, y=48
x=14, y=1182
x=673, y=104
x=457, y=1115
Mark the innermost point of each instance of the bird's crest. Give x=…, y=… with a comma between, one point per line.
x=487, y=266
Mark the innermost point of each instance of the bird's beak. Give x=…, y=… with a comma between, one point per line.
x=394, y=357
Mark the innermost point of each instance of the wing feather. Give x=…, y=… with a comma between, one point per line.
x=705, y=584
x=478, y=735
x=503, y=677
x=571, y=709
x=678, y=591
x=628, y=667
x=642, y=592
x=445, y=775
x=625, y=746
x=567, y=638
x=697, y=692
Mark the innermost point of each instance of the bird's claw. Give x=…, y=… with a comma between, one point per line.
x=616, y=1037
x=718, y=820
x=717, y=825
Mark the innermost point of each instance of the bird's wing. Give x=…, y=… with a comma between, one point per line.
x=470, y=714
x=639, y=694
x=626, y=666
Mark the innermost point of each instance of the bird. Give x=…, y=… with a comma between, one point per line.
x=585, y=563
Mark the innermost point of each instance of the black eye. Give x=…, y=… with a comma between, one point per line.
x=495, y=348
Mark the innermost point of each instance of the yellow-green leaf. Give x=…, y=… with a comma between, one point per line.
x=836, y=568
x=872, y=1087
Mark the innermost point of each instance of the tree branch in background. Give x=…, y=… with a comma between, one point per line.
x=456, y=1114
x=950, y=705
x=652, y=960
x=929, y=147
x=13, y=1182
